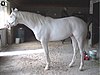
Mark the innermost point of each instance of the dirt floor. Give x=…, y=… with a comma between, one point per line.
x=33, y=64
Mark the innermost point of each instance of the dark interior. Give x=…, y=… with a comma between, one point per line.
x=74, y=3
x=27, y=34
x=96, y=26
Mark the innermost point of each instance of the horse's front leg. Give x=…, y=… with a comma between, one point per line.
x=45, y=47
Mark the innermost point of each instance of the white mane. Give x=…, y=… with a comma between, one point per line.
x=34, y=18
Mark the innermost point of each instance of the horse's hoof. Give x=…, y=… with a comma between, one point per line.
x=70, y=65
x=46, y=68
x=81, y=69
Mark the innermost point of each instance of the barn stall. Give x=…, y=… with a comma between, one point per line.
x=26, y=57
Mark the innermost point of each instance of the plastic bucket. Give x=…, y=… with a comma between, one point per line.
x=17, y=41
x=93, y=54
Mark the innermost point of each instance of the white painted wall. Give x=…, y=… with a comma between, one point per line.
x=3, y=15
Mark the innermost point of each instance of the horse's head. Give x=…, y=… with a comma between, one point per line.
x=12, y=19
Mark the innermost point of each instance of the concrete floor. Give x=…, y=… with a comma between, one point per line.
x=33, y=64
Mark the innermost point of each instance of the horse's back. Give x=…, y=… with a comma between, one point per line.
x=66, y=27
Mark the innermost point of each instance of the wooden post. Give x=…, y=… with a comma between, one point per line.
x=9, y=36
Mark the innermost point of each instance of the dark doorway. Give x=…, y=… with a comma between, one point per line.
x=28, y=34
x=95, y=26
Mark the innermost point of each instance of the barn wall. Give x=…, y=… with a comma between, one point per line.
x=91, y=12
x=3, y=15
x=55, y=12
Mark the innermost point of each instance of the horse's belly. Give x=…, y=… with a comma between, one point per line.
x=60, y=32
x=59, y=36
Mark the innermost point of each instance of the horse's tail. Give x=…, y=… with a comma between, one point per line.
x=88, y=24
x=88, y=32
x=88, y=35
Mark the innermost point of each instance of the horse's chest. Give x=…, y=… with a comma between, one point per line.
x=41, y=33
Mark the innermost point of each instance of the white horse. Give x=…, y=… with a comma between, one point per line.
x=48, y=29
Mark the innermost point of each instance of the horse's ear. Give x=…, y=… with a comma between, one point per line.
x=15, y=9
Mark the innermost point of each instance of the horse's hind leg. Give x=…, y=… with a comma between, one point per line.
x=75, y=45
x=81, y=45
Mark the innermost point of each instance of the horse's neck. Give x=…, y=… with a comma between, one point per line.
x=31, y=21
x=26, y=19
